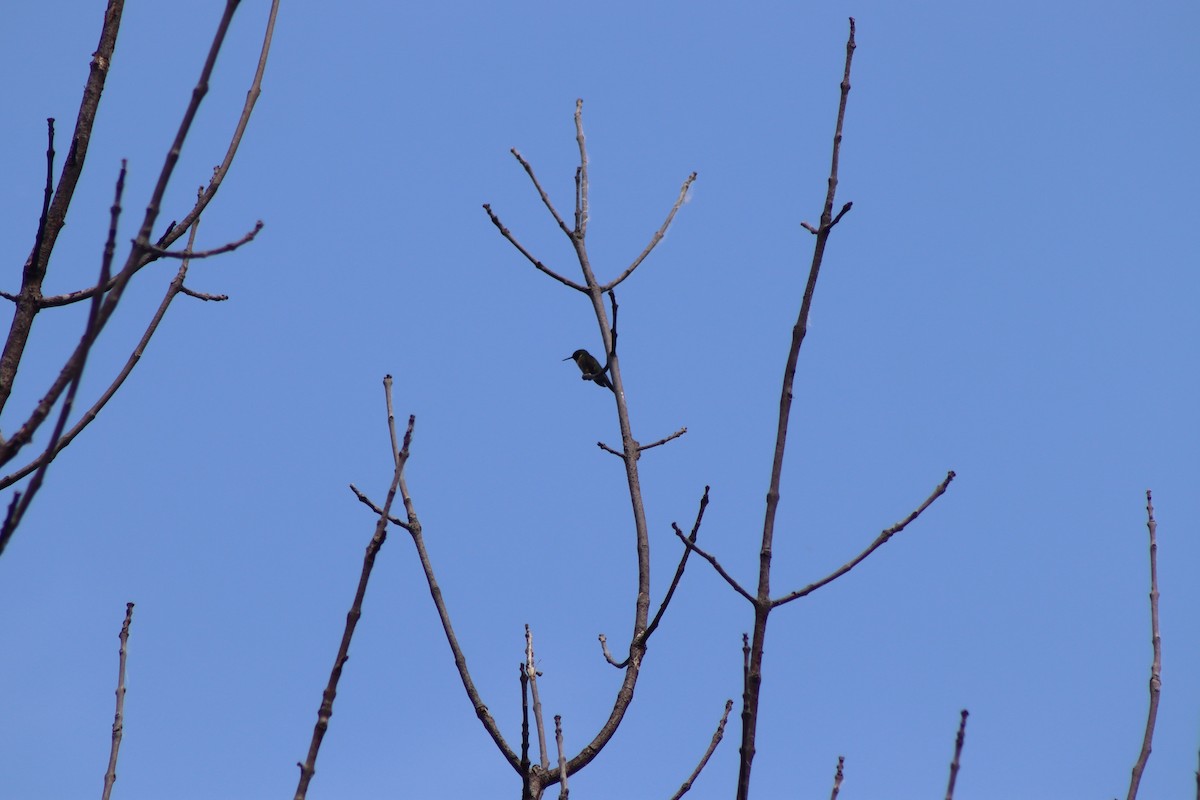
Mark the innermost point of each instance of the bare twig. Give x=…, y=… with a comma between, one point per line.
x=524, y=767
x=71, y=374
x=1156, y=643
x=216, y=251
x=542, y=192
x=658, y=235
x=712, y=747
x=118, y=728
x=716, y=565
x=837, y=778
x=507, y=234
x=532, y=673
x=581, y=176
x=664, y=440
x=958, y=746
x=369, y=503
x=871, y=548
x=176, y=287
x=308, y=767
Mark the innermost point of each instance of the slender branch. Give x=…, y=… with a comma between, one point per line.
x=175, y=288
x=664, y=440
x=308, y=767
x=716, y=565
x=216, y=251
x=712, y=747
x=524, y=768
x=507, y=234
x=1156, y=643
x=875, y=545
x=958, y=746
x=118, y=728
x=71, y=374
x=29, y=299
x=542, y=192
x=532, y=673
x=581, y=176
x=670, y=589
x=658, y=235
x=762, y=601
x=564, y=791
x=362, y=498
x=837, y=778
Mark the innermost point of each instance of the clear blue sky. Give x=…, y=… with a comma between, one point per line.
x=1012, y=297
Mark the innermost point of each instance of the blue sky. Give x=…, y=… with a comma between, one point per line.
x=1012, y=297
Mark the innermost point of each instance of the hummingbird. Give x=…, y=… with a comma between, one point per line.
x=590, y=367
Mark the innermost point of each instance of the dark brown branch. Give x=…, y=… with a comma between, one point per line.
x=309, y=766
x=837, y=778
x=203, y=295
x=716, y=565
x=369, y=503
x=1156, y=643
x=71, y=375
x=884, y=535
x=581, y=176
x=958, y=746
x=674, y=435
x=216, y=251
x=118, y=728
x=175, y=287
x=542, y=192
x=507, y=234
x=524, y=767
x=658, y=235
x=762, y=601
x=834, y=221
x=712, y=747
x=29, y=298
x=662, y=608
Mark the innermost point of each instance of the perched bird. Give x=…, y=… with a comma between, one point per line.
x=590, y=367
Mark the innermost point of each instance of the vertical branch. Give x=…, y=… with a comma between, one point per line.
x=118, y=728
x=532, y=674
x=762, y=606
x=958, y=746
x=1156, y=664
x=837, y=778
x=564, y=792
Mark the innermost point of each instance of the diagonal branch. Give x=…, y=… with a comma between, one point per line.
x=716, y=565
x=542, y=192
x=871, y=548
x=712, y=747
x=309, y=767
x=958, y=746
x=658, y=235
x=216, y=251
x=507, y=234
x=118, y=728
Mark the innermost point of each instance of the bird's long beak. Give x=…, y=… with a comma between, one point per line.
x=568, y=358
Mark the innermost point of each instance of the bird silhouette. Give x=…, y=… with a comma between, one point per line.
x=591, y=368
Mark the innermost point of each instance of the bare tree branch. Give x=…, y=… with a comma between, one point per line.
x=712, y=747
x=564, y=791
x=542, y=193
x=837, y=778
x=507, y=234
x=658, y=235
x=879, y=540
x=1156, y=643
x=309, y=766
x=532, y=673
x=118, y=728
x=216, y=251
x=716, y=565
x=958, y=746
x=664, y=440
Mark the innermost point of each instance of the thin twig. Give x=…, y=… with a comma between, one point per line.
x=1156, y=643
x=664, y=440
x=541, y=192
x=216, y=251
x=581, y=176
x=837, y=778
x=958, y=746
x=176, y=287
x=716, y=565
x=118, y=728
x=712, y=747
x=886, y=534
x=369, y=503
x=309, y=766
x=658, y=235
x=507, y=234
